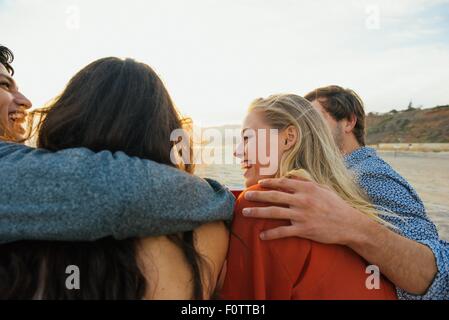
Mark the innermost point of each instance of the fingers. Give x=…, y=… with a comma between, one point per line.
x=273, y=213
x=280, y=232
x=297, y=184
x=276, y=197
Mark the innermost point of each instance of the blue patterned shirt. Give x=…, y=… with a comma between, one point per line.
x=388, y=190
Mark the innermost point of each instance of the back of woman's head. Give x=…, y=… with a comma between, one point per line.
x=315, y=150
x=115, y=105
x=112, y=104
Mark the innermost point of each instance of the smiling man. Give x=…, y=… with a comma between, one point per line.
x=412, y=257
x=13, y=104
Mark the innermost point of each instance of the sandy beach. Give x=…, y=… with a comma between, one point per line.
x=427, y=172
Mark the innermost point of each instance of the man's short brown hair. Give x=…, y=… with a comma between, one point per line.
x=341, y=104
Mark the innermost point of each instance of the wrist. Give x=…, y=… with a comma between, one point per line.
x=360, y=231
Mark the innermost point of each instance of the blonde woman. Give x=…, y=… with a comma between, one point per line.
x=294, y=268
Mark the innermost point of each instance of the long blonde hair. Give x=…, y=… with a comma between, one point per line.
x=315, y=150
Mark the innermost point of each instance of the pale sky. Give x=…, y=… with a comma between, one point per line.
x=217, y=56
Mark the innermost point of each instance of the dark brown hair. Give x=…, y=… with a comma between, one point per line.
x=116, y=105
x=6, y=58
x=341, y=104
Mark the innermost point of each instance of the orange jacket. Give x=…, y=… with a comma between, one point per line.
x=291, y=268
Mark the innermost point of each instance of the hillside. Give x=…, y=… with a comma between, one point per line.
x=409, y=126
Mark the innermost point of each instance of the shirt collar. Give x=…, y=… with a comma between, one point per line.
x=358, y=156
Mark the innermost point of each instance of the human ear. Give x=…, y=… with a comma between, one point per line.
x=350, y=123
x=289, y=137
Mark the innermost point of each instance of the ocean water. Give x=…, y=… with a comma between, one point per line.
x=427, y=172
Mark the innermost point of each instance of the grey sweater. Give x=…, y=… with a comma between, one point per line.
x=76, y=194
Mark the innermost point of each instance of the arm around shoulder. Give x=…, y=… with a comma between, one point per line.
x=81, y=195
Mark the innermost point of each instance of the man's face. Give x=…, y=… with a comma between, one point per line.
x=335, y=126
x=13, y=106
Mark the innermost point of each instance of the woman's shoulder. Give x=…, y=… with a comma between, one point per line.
x=211, y=240
x=167, y=271
x=242, y=202
x=265, y=224
x=248, y=229
x=285, y=257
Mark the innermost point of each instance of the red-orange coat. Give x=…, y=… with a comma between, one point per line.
x=292, y=268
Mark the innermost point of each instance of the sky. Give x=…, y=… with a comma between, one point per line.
x=215, y=57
